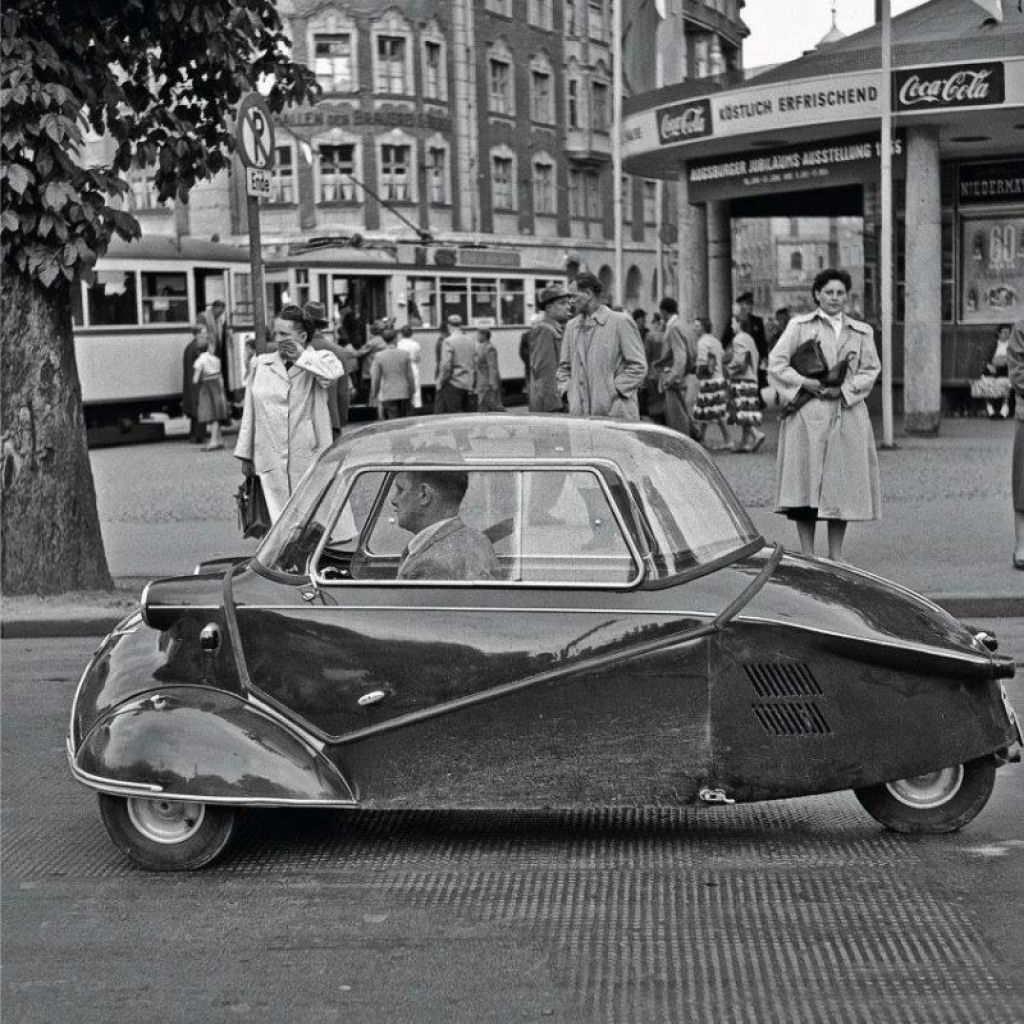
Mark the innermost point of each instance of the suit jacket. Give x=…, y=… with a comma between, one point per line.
x=545, y=348
x=391, y=376
x=458, y=361
x=454, y=552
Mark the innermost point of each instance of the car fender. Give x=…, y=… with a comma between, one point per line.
x=202, y=744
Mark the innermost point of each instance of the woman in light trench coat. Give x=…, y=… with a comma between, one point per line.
x=286, y=421
x=827, y=466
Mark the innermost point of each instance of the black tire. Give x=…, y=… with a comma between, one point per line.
x=167, y=835
x=941, y=801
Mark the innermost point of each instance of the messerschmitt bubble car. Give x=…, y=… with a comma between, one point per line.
x=499, y=611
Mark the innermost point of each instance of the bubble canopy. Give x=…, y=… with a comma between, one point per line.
x=679, y=510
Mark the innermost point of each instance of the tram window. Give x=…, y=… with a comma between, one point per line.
x=455, y=297
x=241, y=284
x=483, y=302
x=112, y=298
x=422, y=308
x=77, y=316
x=164, y=298
x=513, y=301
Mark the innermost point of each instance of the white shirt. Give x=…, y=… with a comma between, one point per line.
x=835, y=321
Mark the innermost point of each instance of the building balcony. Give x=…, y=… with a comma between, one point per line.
x=587, y=145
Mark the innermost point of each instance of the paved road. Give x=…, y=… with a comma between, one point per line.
x=795, y=912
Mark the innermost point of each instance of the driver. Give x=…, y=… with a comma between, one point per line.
x=443, y=547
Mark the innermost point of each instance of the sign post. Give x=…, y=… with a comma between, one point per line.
x=254, y=136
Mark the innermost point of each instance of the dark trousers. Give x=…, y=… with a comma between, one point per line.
x=396, y=409
x=452, y=399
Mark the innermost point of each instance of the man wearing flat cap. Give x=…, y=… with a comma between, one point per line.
x=337, y=390
x=545, y=346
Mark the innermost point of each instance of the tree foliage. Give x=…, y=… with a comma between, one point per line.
x=160, y=78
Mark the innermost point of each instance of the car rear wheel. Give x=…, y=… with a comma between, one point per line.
x=940, y=801
x=167, y=835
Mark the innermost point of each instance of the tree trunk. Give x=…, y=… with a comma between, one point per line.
x=50, y=539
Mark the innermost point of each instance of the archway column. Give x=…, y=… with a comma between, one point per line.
x=922, y=318
x=692, y=241
x=719, y=265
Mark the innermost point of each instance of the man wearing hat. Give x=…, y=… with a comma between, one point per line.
x=337, y=390
x=754, y=326
x=374, y=344
x=545, y=346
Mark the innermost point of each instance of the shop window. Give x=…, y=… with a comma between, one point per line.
x=333, y=62
x=111, y=298
x=164, y=298
x=992, y=269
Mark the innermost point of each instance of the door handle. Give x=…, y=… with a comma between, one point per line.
x=373, y=697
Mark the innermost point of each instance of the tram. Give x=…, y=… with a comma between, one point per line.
x=133, y=322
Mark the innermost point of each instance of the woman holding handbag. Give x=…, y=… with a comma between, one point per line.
x=827, y=467
x=286, y=421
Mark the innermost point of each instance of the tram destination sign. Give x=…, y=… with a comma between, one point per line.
x=948, y=86
x=789, y=169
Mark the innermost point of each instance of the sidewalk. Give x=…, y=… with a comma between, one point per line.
x=946, y=531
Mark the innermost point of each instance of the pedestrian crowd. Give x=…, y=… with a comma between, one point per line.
x=581, y=357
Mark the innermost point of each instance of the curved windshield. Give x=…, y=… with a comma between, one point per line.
x=669, y=491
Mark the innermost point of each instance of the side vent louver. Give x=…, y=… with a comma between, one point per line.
x=783, y=690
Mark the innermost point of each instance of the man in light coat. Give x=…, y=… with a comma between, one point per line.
x=602, y=364
x=545, y=349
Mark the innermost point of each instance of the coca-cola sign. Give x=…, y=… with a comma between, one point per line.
x=684, y=121
x=950, y=85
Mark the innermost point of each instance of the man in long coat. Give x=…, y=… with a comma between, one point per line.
x=545, y=349
x=602, y=363
x=189, y=388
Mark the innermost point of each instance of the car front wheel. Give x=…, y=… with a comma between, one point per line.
x=167, y=835
x=940, y=801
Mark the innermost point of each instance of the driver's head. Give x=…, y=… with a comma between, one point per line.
x=421, y=498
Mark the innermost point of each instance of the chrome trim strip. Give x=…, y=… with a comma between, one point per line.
x=504, y=609
x=106, y=785
x=314, y=745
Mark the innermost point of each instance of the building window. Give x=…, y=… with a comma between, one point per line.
x=544, y=186
x=437, y=174
x=282, y=189
x=650, y=202
x=796, y=261
x=501, y=87
x=541, y=14
x=336, y=164
x=395, y=164
x=600, y=106
x=577, y=198
x=572, y=94
x=595, y=201
x=595, y=20
x=390, y=75
x=503, y=183
x=434, y=85
x=794, y=227
x=701, y=58
x=542, y=97
x=143, y=194
x=503, y=7
x=585, y=194
x=572, y=17
x=332, y=62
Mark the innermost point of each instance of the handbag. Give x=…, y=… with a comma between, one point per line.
x=993, y=389
x=253, y=513
x=809, y=361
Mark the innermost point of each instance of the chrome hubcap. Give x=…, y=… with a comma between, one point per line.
x=166, y=821
x=930, y=790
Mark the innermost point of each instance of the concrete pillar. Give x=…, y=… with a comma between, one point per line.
x=692, y=237
x=719, y=266
x=922, y=319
